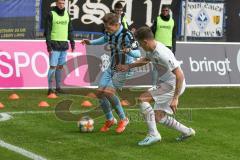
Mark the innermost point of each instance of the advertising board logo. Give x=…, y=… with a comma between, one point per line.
x=202, y=20
x=216, y=20
x=189, y=18
x=221, y=67
x=105, y=62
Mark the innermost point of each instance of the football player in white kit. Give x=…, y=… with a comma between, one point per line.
x=169, y=84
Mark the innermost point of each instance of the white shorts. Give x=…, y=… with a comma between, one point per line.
x=163, y=94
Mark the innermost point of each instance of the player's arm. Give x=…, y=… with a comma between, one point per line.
x=134, y=53
x=100, y=41
x=70, y=34
x=138, y=63
x=174, y=37
x=48, y=30
x=179, y=83
x=132, y=47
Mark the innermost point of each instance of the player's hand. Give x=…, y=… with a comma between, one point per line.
x=126, y=50
x=49, y=49
x=133, y=30
x=50, y=52
x=85, y=42
x=174, y=105
x=122, y=68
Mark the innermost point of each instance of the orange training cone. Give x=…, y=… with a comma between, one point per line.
x=1, y=106
x=125, y=103
x=13, y=96
x=52, y=96
x=43, y=104
x=86, y=104
x=91, y=95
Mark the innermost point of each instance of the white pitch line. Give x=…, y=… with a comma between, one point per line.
x=135, y=109
x=4, y=117
x=21, y=151
x=30, y=112
x=204, y=108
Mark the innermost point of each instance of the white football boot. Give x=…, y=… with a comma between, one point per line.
x=149, y=139
x=185, y=136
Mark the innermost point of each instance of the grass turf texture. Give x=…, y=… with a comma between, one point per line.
x=44, y=134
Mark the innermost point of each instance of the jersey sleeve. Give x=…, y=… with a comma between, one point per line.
x=170, y=61
x=130, y=42
x=146, y=55
x=100, y=41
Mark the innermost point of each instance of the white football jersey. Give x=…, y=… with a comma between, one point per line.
x=164, y=62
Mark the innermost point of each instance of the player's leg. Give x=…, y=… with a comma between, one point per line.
x=105, y=81
x=163, y=111
x=53, y=62
x=58, y=77
x=58, y=73
x=105, y=104
x=171, y=122
x=118, y=80
x=107, y=110
x=114, y=100
x=149, y=116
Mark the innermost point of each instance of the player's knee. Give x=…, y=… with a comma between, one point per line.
x=108, y=92
x=145, y=107
x=144, y=98
x=160, y=116
x=53, y=67
x=99, y=94
x=60, y=67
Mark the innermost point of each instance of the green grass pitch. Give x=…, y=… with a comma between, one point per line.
x=217, y=129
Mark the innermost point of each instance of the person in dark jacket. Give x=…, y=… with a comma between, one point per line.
x=58, y=30
x=164, y=29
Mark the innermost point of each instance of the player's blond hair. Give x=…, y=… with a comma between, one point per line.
x=110, y=19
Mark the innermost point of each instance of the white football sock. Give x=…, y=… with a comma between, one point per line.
x=173, y=123
x=149, y=117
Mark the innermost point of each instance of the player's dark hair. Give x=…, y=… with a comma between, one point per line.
x=59, y=0
x=110, y=19
x=144, y=33
x=164, y=6
x=118, y=5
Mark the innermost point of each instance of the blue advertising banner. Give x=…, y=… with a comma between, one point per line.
x=17, y=19
x=17, y=8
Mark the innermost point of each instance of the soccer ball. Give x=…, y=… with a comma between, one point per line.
x=86, y=124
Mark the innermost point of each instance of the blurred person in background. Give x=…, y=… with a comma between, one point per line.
x=164, y=29
x=58, y=30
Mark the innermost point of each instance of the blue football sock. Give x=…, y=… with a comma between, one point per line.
x=117, y=106
x=50, y=77
x=58, y=77
x=106, y=107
